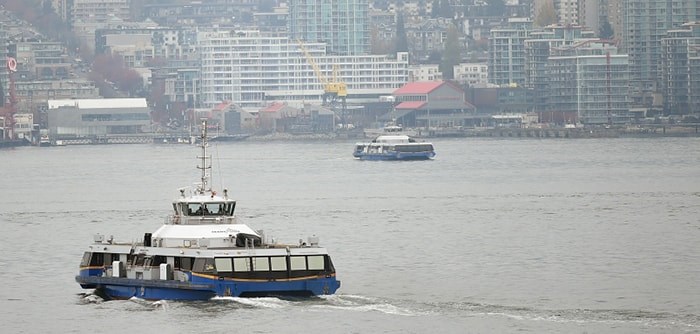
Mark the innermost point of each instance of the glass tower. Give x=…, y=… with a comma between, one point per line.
x=342, y=24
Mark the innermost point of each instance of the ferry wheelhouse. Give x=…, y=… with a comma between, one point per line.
x=203, y=251
x=394, y=147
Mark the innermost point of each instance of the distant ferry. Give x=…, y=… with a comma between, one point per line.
x=394, y=147
x=203, y=251
x=390, y=129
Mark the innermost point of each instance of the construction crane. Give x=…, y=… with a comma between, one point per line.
x=334, y=90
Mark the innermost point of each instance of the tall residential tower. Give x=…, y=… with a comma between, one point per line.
x=644, y=24
x=343, y=25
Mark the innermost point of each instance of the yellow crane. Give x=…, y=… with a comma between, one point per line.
x=334, y=90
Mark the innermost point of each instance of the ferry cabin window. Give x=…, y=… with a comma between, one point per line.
x=223, y=265
x=241, y=264
x=139, y=260
x=183, y=263
x=297, y=262
x=261, y=264
x=206, y=209
x=86, y=259
x=95, y=259
x=202, y=265
x=278, y=263
x=315, y=262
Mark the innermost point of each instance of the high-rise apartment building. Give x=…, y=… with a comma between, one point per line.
x=680, y=69
x=644, y=24
x=343, y=25
x=507, y=52
x=588, y=81
x=567, y=11
x=537, y=52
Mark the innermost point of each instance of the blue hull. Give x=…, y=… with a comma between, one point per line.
x=204, y=288
x=395, y=156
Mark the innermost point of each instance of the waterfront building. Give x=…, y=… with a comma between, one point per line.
x=680, y=70
x=433, y=104
x=253, y=68
x=507, y=52
x=537, y=52
x=343, y=24
x=588, y=83
x=33, y=95
x=645, y=23
x=87, y=118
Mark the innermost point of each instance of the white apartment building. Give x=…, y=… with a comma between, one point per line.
x=253, y=68
x=472, y=74
x=424, y=72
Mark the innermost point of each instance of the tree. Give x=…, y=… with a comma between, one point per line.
x=546, y=14
x=401, y=38
x=606, y=30
x=452, y=55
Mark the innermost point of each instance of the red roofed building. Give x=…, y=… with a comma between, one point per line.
x=441, y=104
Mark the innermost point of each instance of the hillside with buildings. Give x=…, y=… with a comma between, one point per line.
x=295, y=66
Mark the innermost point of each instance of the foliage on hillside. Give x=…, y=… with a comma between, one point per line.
x=41, y=15
x=109, y=72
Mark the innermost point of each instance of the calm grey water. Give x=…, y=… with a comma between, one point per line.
x=493, y=236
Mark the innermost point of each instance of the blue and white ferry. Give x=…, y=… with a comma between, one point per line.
x=203, y=251
x=394, y=147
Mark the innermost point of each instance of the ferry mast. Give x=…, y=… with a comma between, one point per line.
x=205, y=166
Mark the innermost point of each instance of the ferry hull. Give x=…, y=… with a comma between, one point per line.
x=202, y=288
x=395, y=156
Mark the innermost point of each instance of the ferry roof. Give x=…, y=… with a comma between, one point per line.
x=201, y=231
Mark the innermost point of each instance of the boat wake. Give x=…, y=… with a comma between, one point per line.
x=583, y=316
x=261, y=302
x=365, y=304
x=90, y=298
x=341, y=302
